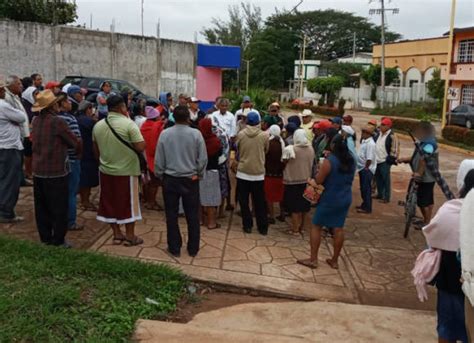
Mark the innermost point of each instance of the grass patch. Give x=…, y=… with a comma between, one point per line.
x=455, y=144
x=421, y=111
x=50, y=294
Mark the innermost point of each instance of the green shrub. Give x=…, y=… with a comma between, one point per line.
x=418, y=110
x=404, y=124
x=455, y=134
x=469, y=138
x=325, y=86
x=261, y=99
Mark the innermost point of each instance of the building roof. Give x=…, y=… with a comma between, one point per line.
x=358, y=54
x=460, y=30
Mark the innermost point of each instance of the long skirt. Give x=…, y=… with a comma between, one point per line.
x=209, y=189
x=274, y=189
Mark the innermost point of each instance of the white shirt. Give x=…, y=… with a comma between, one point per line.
x=139, y=120
x=15, y=102
x=11, y=121
x=225, y=121
x=381, y=151
x=248, y=177
x=367, y=151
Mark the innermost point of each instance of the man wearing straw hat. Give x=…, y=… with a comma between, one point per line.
x=11, y=149
x=51, y=140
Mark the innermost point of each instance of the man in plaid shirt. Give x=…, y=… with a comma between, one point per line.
x=51, y=140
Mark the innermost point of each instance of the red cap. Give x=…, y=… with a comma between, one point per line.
x=387, y=122
x=347, y=118
x=52, y=84
x=373, y=122
x=323, y=125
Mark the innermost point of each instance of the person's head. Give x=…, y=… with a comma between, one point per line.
x=321, y=127
x=106, y=87
x=14, y=84
x=152, y=113
x=253, y=118
x=246, y=102
x=299, y=137
x=37, y=80
x=86, y=107
x=290, y=129
x=194, y=104
x=27, y=82
x=367, y=131
x=169, y=100
x=181, y=115
x=307, y=116
x=54, y=86
x=336, y=123
x=347, y=119
x=274, y=109
x=274, y=130
x=115, y=103
x=424, y=130
x=385, y=125
x=46, y=102
x=183, y=100
x=330, y=134
x=74, y=92
x=64, y=104
x=2, y=89
x=339, y=149
x=223, y=105
x=139, y=108
x=295, y=120
x=468, y=184
x=373, y=123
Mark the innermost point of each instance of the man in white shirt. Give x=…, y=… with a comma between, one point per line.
x=247, y=106
x=11, y=149
x=224, y=119
x=366, y=166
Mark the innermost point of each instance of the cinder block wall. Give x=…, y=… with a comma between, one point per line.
x=151, y=64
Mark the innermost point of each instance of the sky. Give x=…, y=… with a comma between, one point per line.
x=184, y=19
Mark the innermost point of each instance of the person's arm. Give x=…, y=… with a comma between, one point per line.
x=101, y=100
x=202, y=155
x=136, y=137
x=323, y=172
x=95, y=147
x=67, y=135
x=12, y=114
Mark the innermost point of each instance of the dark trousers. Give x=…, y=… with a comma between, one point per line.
x=382, y=178
x=51, y=208
x=365, y=179
x=11, y=175
x=256, y=190
x=174, y=189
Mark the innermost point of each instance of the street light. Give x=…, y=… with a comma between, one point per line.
x=448, y=63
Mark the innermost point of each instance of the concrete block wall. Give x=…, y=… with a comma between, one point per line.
x=151, y=64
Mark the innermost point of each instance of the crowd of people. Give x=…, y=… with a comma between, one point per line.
x=53, y=139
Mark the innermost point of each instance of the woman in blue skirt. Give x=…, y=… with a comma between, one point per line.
x=336, y=175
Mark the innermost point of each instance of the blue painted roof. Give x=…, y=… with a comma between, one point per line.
x=218, y=56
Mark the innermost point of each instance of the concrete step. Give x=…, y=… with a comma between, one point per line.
x=324, y=322
x=151, y=331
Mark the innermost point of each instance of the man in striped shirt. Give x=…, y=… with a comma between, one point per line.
x=65, y=108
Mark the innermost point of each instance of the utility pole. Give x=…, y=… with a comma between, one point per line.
x=448, y=64
x=248, y=74
x=354, y=49
x=382, y=11
x=302, y=61
x=90, y=24
x=142, y=2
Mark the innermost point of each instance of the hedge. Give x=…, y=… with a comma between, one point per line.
x=404, y=124
x=458, y=134
x=324, y=110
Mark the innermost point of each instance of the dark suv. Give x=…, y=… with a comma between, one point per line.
x=92, y=84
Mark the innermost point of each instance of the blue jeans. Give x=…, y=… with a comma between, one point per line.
x=74, y=178
x=382, y=177
x=365, y=178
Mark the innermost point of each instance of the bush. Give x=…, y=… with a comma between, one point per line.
x=261, y=99
x=340, y=106
x=456, y=134
x=469, y=138
x=326, y=111
x=418, y=110
x=404, y=124
x=325, y=86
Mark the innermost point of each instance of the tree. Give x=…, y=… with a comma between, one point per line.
x=56, y=12
x=327, y=87
x=344, y=71
x=373, y=75
x=436, y=87
x=330, y=33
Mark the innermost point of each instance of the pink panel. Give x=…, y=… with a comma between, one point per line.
x=208, y=83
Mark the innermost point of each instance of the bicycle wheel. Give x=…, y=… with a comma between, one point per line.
x=410, y=206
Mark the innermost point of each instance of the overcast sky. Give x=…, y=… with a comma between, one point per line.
x=181, y=19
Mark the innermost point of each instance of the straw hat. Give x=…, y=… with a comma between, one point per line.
x=44, y=100
x=2, y=82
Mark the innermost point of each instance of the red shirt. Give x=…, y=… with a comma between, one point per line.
x=151, y=131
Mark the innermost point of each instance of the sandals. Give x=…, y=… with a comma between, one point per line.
x=155, y=207
x=133, y=242
x=218, y=226
x=118, y=240
x=308, y=263
x=293, y=233
x=332, y=264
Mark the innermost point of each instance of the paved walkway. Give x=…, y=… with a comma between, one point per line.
x=375, y=266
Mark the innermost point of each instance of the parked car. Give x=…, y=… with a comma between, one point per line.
x=302, y=101
x=462, y=115
x=92, y=85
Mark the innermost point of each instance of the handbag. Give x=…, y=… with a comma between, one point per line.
x=141, y=158
x=313, y=193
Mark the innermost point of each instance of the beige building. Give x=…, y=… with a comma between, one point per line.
x=415, y=59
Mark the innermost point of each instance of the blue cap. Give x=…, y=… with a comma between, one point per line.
x=253, y=118
x=246, y=98
x=336, y=120
x=73, y=90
